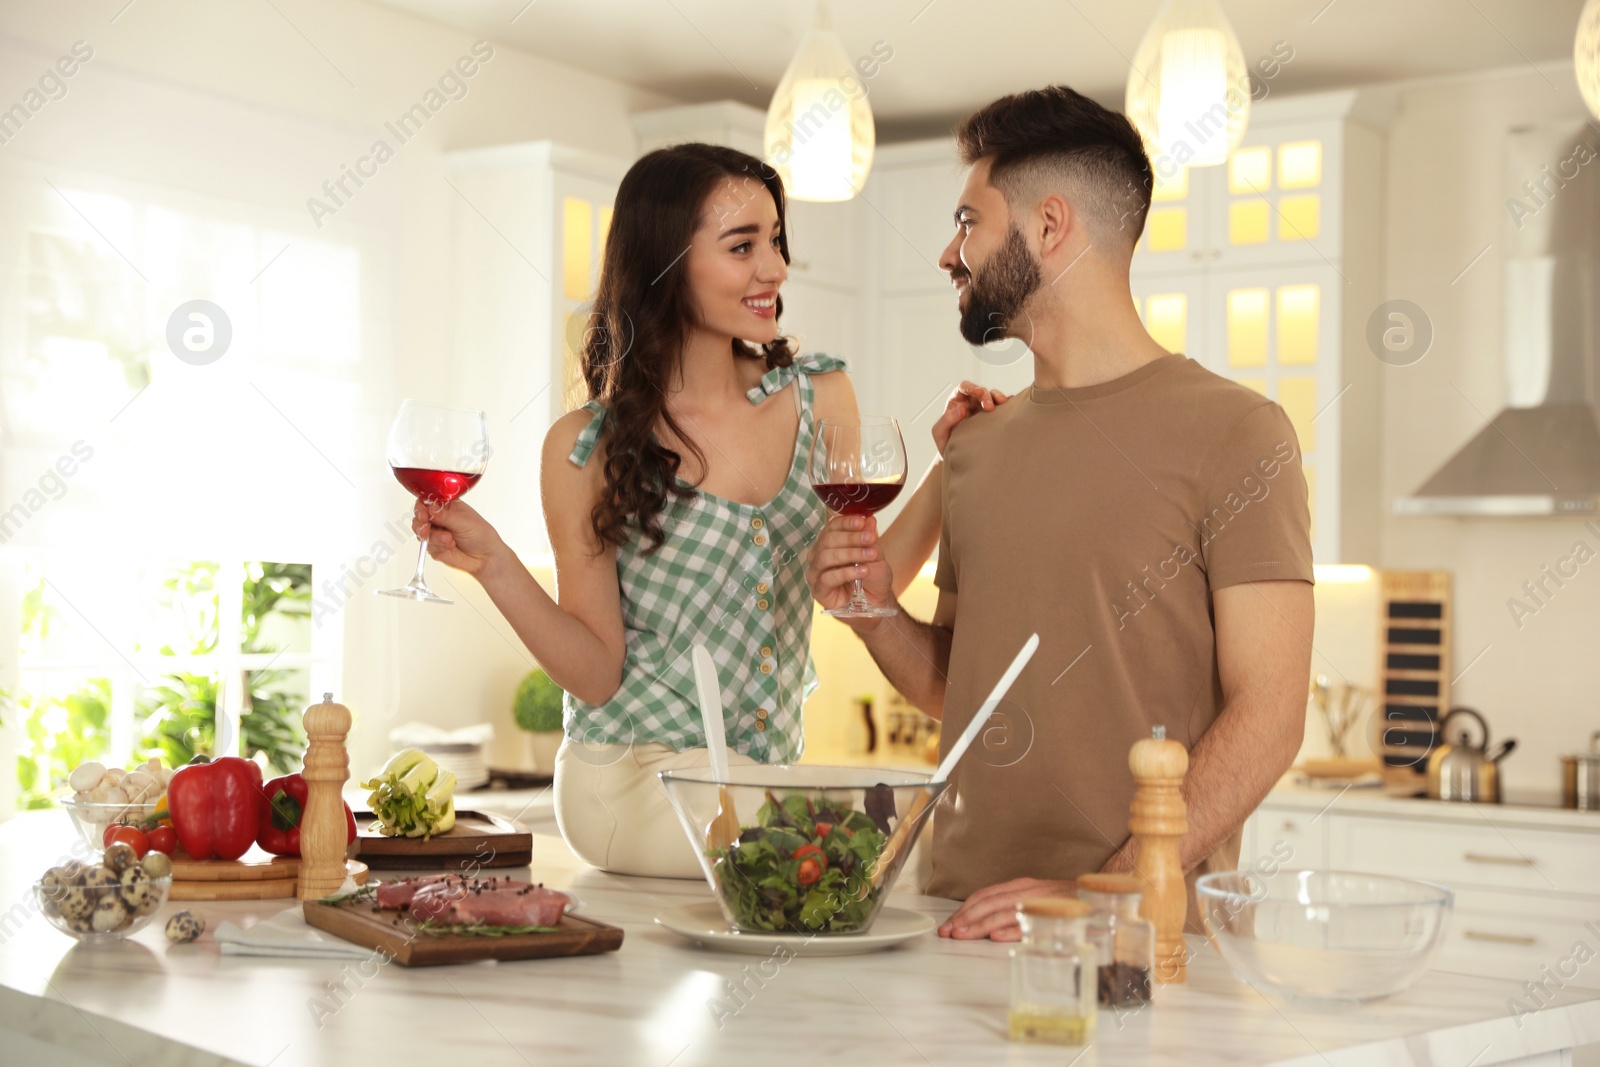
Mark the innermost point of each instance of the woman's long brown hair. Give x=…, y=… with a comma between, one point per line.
x=643, y=313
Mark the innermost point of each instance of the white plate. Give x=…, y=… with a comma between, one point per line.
x=704, y=925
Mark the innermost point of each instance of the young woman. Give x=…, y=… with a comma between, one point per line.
x=678, y=507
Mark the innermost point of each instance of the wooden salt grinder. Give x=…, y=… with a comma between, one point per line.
x=1158, y=820
x=323, y=831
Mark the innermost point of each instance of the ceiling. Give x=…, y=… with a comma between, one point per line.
x=949, y=56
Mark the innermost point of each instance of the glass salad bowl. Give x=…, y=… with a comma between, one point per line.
x=1336, y=935
x=818, y=848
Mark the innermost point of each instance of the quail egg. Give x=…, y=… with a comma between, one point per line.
x=137, y=888
x=185, y=926
x=119, y=856
x=109, y=914
x=75, y=903
x=157, y=864
x=100, y=878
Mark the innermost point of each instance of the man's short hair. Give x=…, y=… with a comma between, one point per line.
x=1057, y=140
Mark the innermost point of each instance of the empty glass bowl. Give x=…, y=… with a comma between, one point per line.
x=1324, y=934
x=818, y=848
x=102, y=913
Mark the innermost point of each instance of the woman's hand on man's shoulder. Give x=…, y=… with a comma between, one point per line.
x=969, y=399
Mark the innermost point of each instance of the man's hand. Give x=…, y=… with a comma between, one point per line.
x=968, y=399
x=847, y=549
x=992, y=911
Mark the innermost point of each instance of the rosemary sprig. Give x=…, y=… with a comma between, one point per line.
x=437, y=929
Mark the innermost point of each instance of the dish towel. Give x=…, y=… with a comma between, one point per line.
x=286, y=934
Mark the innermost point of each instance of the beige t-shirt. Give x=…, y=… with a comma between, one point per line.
x=1103, y=518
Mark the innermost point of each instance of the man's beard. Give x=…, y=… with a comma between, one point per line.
x=999, y=289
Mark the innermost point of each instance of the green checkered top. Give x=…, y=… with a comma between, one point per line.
x=730, y=576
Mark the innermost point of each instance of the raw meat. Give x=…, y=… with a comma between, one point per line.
x=525, y=905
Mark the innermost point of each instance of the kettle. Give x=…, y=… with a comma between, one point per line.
x=1460, y=770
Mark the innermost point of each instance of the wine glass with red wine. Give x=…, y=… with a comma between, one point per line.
x=857, y=466
x=437, y=453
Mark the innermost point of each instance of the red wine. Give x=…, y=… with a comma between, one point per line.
x=435, y=487
x=858, y=498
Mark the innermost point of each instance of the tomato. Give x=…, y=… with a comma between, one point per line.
x=811, y=850
x=810, y=871
x=133, y=836
x=824, y=829
x=162, y=839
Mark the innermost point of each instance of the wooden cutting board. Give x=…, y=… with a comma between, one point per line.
x=255, y=865
x=477, y=839
x=395, y=934
x=256, y=875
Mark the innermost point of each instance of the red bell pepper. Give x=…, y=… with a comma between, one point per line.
x=283, y=803
x=216, y=807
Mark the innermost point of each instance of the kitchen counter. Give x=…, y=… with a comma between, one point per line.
x=1519, y=809
x=144, y=1002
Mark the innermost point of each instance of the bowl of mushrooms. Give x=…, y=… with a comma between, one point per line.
x=102, y=796
x=105, y=901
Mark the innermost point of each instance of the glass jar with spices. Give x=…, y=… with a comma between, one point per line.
x=1053, y=974
x=1124, y=943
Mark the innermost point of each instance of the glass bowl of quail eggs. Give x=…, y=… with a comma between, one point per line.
x=105, y=900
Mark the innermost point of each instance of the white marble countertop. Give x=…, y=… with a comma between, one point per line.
x=144, y=1002
x=1520, y=809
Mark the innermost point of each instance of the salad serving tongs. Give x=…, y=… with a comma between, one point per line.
x=924, y=796
x=724, y=828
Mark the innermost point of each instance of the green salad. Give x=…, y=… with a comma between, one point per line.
x=807, y=866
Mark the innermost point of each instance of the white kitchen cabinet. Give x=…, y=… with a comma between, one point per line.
x=822, y=318
x=1483, y=854
x=527, y=234
x=1269, y=832
x=1526, y=881
x=1265, y=269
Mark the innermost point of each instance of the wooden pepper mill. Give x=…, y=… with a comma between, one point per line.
x=1158, y=820
x=323, y=831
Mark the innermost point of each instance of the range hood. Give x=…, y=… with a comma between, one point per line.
x=1541, y=454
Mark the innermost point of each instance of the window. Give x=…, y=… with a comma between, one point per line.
x=119, y=661
x=164, y=517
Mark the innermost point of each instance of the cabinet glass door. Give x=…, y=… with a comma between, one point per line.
x=1276, y=331
x=1176, y=226
x=1277, y=199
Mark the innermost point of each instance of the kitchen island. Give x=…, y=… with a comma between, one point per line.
x=662, y=1002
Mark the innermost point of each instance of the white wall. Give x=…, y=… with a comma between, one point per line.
x=1446, y=201
x=343, y=68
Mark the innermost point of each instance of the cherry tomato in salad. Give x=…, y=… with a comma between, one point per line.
x=811, y=850
x=131, y=835
x=163, y=839
x=810, y=871
x=824, y=829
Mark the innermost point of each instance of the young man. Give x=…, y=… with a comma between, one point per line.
x=1146, y=517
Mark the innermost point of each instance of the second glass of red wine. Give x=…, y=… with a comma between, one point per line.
x=858, y=465
x=437, y=453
